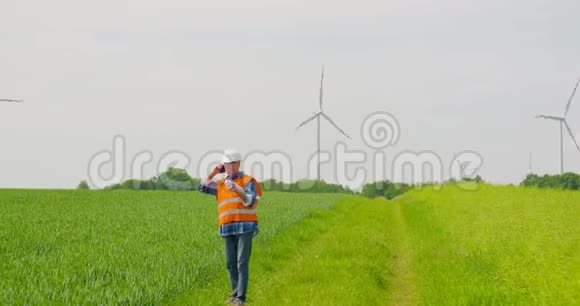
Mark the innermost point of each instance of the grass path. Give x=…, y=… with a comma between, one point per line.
x=346, y=265
x=403, y=291
x=354, y=254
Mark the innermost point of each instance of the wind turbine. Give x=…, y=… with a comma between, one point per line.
x=563, y=123
x=462, y=165
x=317, y=116
x=11, y=100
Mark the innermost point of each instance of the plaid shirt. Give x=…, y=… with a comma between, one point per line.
x=235, y=228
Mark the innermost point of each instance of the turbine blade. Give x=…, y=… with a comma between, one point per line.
x=334, y=124
x=571, y=134
x=308, y=120
x=11, y=100
x=321, y=88
x=571, y=97
x=550, y=117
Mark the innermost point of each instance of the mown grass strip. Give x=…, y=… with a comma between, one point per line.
x=403, y=290
x=336, y=257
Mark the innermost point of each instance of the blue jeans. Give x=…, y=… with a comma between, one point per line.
x=238, y=250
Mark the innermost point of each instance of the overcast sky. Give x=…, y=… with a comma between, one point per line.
x=200, y=76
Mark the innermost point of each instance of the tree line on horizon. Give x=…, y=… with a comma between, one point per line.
x=179, y=179
x=566, y=181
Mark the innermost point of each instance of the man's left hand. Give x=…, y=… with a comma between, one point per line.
x=233, y=186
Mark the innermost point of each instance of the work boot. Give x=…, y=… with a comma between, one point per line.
x=231, y=300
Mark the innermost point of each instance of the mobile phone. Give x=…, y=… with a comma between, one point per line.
x=222, y=168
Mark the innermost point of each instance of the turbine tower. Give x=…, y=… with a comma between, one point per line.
x=462, y=165
x=563, y=122
x=530, y=168
x=317, y=116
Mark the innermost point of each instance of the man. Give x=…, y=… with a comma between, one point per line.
x=237, y=197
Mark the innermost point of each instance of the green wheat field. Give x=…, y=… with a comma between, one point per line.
x=495, y=245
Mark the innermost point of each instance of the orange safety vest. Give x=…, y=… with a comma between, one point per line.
x=231, y=207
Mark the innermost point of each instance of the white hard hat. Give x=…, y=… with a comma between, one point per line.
x=231, y=155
